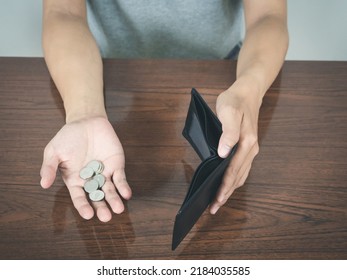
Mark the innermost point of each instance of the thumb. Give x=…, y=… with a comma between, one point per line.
x=231, y=124
x=49, y=168
x=226, y=142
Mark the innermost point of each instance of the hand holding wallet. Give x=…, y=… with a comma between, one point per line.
x=202, y=130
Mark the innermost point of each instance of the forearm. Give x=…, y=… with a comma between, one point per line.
x=261, y=56
x=75, y=64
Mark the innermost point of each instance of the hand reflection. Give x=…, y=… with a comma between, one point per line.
x=100, y=240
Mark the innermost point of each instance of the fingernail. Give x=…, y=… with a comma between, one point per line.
x=224, y=151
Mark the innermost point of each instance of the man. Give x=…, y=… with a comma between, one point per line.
x=73, y=58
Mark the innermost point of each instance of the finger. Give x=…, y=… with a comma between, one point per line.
x=234, y=176
x=243, y=174
x=248, y=148
x=121, y=183
x=231, y=122
x=230, y=184
x=243, y=178
x=218, y=204
x=222, y=198
x=102, y=212
x=80, y=202
x=232, y=171
x=49, y=167
x=112, y=197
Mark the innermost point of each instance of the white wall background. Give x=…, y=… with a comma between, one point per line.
x=318, y=29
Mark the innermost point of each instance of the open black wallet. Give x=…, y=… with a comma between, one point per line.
x=202, y=130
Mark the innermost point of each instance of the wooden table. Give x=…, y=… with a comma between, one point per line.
x=293, y=205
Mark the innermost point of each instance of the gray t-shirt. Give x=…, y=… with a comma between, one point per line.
x=196, y=29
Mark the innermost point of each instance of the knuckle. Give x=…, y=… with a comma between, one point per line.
x=256, y=149
x=222, y=200
x=239, y=184
x=251, y=140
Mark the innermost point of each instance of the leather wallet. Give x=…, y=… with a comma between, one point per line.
x=202, y=130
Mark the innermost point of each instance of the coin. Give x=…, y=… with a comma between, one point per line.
x=86, y=173
x=97, y=195
x=91, y=185
x=100, y=179
x=96, y=165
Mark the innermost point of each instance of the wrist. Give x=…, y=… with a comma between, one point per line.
x=76, y=118
x=246, y=87
x=83, y=112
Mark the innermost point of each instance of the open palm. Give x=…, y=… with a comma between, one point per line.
x=75, y=145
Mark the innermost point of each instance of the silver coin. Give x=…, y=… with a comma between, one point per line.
x=86, y=173
x=97, y=195
x=96, y=165
x=91, y=185
x=101, y=168
x=100, y=179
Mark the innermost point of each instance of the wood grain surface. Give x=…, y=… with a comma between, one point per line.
x=293, y=205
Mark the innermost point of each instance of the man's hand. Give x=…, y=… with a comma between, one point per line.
x=239, y=117
x=260, y=59
x=76, y=144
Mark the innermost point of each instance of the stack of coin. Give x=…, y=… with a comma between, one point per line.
x=94, y=179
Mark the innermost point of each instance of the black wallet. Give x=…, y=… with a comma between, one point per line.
x=202, y=130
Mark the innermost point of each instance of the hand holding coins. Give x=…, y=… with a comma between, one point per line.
x=94, y=180
x=93, y=143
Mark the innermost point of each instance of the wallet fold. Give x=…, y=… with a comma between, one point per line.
x=202, y=130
